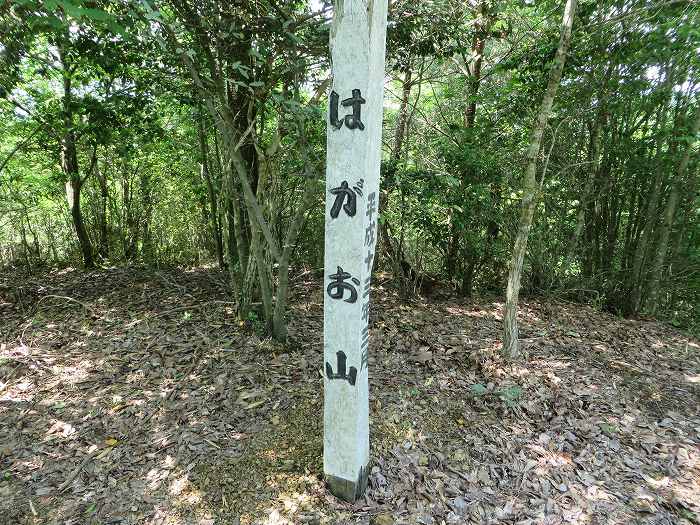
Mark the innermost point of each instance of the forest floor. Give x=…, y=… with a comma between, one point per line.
x=131, y=396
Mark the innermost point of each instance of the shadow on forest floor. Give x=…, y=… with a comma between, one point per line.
x=134, y=397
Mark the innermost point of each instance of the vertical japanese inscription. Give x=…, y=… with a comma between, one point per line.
x=369, y=244
x=346, y=200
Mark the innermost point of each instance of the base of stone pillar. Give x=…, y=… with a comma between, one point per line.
x=348, y=490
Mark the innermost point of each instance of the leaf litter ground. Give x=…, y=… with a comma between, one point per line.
x=130, y=396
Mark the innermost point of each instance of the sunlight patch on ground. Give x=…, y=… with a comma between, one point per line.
x=598, y=493
x=60, y=428
x=73, y=374
x=19, y=393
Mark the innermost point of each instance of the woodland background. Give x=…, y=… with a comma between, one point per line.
x=179, y=133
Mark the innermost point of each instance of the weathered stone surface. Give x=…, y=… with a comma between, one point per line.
x=352, y=201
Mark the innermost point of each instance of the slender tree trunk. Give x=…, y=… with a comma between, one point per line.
x=612, y=233
x=629, y=230
x=69, y=166
x=36, y=249
x=235, y=118
x=103, y=246
x=279, y=326
x=228, y=220
x=669, y=215
x=248, y=256
x=531, y=187
x=130, y=222
x=25, y=246
x=241, y=241
x=684, y=232
x=73, y=187
x=395, y=157
x=588, y=193
x=470, y=262
x=402, y=117
x=600, y=212
x=636, y=276
x=235, y=245
x=207, y=179
x=459, y=244
x=245, y=290
x=474, y=80
x=263, y=279
x=229, y=242
x=148, y=251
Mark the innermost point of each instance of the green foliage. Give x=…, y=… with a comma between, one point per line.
x=509, y=396
x=472, y=76
x=479, y=389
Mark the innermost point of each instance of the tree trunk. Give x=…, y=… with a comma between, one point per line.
x=147, y=249
x=531, y=187
x=612, y=233
x=402, y=118
x=73, y=187
x=395, y=157
x=279, y=325
x=245, y=288
x=235, y=118
x=36, y=249
x=459, y=244
x=25, y=246
x=69, y=166
x=470, y=262
x=207, y=179
x=131, y=233
x=474, y=80
x=263, y=279
x=594, y=155
x=669, y=215
x=103, y=246
x=228, y=220
x=240, y=242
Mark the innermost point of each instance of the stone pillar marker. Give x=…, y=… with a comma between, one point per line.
x=357, y=42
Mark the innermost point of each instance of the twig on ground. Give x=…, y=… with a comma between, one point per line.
x=77, y=470
x=88, y=308
x=190, y=307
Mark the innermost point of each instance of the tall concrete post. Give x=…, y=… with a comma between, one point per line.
x=357, y=42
